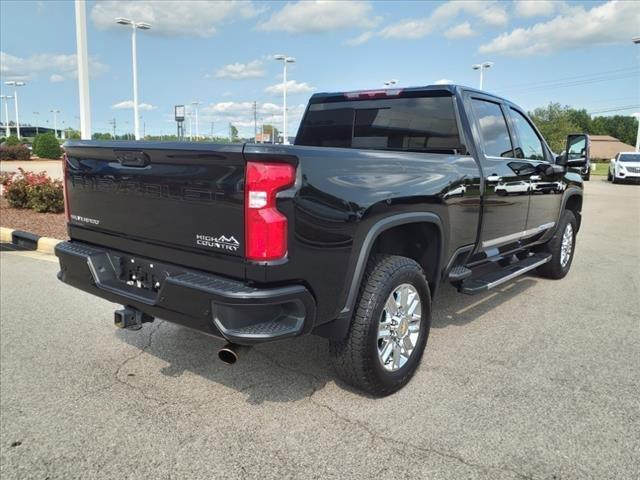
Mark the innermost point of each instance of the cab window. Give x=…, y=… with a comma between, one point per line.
x=493, y=128
x=530, y=143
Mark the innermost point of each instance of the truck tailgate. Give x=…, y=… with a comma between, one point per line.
x=186, y=197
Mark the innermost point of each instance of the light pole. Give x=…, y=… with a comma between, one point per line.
x=390, y=83
x=482, y=67
x=6, y=99
x=37, y=114
x=636, y=40
x=134, y=27
x=284, y=60
x=195, y=104
x=55, y=120
x=15, y=99
x=83, y=70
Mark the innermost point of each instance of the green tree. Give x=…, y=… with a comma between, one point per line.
x=12, y=141
x=272, y=131
x=624, y=128
x=555, y=123
x=234, y=133
x=46, y=146
x=102, y=136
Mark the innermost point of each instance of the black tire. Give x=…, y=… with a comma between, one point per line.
x=554, y=268
x=615, y=180
x=587, y=177
x=355, y=358
x=609, y=176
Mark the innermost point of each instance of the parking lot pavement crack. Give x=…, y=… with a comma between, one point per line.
x=394, y=444
x=126, y=361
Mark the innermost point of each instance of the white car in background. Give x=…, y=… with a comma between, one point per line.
x=626, y=166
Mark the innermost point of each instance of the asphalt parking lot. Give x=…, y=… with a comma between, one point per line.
x=539, y=379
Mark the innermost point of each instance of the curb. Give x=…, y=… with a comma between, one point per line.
x=28, y=241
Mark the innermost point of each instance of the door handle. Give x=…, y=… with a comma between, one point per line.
x=535, y=178
x=493, y=178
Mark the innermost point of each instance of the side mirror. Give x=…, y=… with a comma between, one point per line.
x=577, y=151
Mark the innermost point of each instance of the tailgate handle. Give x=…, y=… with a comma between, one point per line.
x=132, y=158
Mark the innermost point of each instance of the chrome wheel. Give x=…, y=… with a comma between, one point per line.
x=399, y=327
x=567, y=245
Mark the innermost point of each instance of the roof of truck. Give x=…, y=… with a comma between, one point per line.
x=451, y=88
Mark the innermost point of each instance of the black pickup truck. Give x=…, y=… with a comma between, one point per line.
x=347, y=234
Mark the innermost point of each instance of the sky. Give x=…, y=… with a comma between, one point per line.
x=221, y=55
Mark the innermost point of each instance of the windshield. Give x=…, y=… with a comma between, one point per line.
x=426, y=124
x=629, y=157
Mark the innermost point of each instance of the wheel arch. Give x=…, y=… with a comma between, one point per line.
x=381, y=238
x=573, y=202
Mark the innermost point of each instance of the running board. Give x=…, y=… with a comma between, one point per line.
x=473, y=286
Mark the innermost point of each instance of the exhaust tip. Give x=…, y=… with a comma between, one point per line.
x=228, y=354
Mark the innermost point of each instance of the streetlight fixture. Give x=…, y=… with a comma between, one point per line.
x=15, y=86
x=195, y=104
x=6, y=99
x=134, y=26
x=37, y=114
x=390, y=83
x=284, y=59
x=55, y=112
x=482, y=67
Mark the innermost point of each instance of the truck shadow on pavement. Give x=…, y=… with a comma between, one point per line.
x=285, y=371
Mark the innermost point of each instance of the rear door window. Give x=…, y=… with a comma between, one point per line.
x=425, y=124
x=496, y=141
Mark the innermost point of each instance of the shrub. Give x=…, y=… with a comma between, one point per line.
x=5, y=178
x=46, y=146
x=16, y=193
x=12, y=141
x=14, y=152
x=34, y=190
x=47, y=197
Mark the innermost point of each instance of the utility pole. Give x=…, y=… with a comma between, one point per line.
x=113, y=124
x=37, y=114
x=211, y=130
x=83, y=70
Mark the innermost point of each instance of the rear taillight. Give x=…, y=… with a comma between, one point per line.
x=265, y=226
x=65, y=187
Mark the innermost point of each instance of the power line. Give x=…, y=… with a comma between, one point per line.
x=576, y=80
x=615, y=109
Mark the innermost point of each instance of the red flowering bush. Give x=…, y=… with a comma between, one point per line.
x=34, y=190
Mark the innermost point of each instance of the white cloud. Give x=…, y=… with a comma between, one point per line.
x=240, y=115
x=59, y=66
x=292, y=87
x=535, y=8
x=364, y=37
x=612, y=22
x=443, y=81
x=462, y=30
x=490, y=13
x=175, y=18
x=320, y=16
x=238, y=71
x=128, y=104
